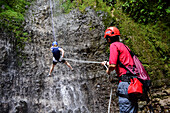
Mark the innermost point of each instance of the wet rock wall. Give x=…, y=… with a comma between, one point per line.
x=26, y=88
x=31, y=91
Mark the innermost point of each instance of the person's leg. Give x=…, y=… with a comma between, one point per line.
x=51, y=69
x=125, y=104
x=52, y=66
x=68, y=65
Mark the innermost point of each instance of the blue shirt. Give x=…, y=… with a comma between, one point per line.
x=56, y=52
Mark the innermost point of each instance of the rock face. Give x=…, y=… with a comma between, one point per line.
x=78, y=91
x=27, y=89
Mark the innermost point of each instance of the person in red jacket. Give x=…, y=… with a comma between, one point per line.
x=118, y=52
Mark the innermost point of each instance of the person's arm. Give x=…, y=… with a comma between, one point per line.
x=110, y=68
x=114, y=54
x=51, y=48
x=62, y=52
x=105, y=63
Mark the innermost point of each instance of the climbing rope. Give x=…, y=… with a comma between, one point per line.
x=110, y=101
x=82, y=61
x=52, y=21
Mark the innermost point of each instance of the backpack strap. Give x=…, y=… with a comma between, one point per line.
x=123, y=66
x=128, y=70
x=131, y=53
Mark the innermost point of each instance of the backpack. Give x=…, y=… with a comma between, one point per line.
x=141, y=78
x=139, y=71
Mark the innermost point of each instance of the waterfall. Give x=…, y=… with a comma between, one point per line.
x=24, y=84
x=78, y=91
x=54, y=35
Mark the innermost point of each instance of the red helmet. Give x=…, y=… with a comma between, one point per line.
x=111, y=31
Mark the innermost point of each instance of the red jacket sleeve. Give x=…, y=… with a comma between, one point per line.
x=113, y=54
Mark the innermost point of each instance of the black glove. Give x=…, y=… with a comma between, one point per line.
x=61, y=58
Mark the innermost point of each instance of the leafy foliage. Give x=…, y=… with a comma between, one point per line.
x=146, y=11
x=97, y=5
x=150, y=42
x=67, y=5
x=12, y=18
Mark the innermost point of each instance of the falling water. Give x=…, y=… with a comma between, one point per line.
x=62, y=93
x=31, y=91
x=24, y=84
x=54, y=35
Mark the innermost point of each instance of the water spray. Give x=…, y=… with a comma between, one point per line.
x=52, y=21
x=94, y=62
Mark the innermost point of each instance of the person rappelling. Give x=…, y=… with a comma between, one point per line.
x=58, y=56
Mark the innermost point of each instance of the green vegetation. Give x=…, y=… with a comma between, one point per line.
x=148, y=39
x=82, y=4
x=146, y=11
x=12, y=22
x=143, y=28
x=149, y=42
x=97, y=5
x=12, y=19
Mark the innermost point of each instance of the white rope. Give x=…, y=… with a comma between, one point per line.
x=110, y=101
x=105, y=66
x=82, y=61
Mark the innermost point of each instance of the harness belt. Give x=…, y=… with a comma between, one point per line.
x=126, y=78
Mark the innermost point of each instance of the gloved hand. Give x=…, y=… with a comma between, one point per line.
x=104, y=63
x=61, y=58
